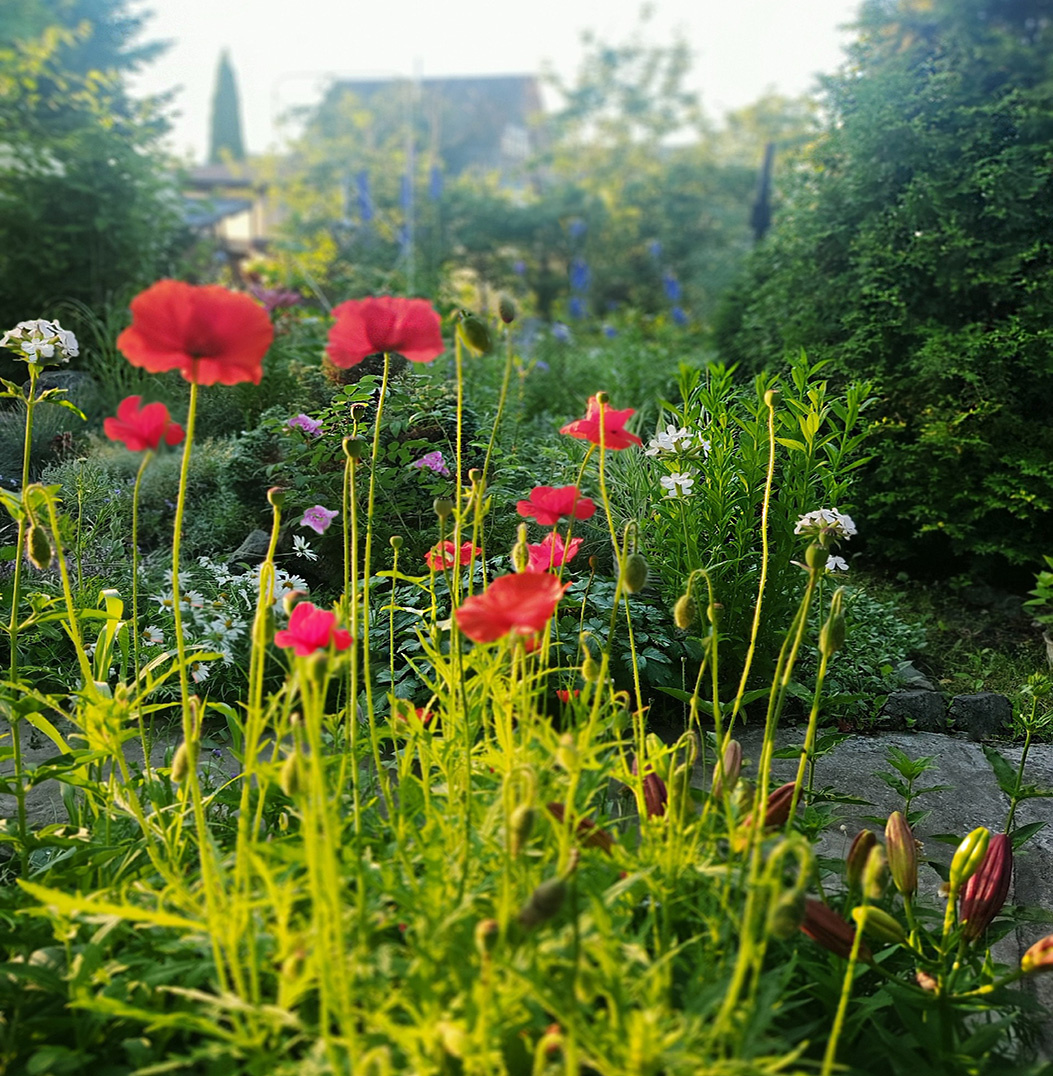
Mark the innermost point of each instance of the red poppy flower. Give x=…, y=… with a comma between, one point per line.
x=207, y=333
x=311, y=629
x=522, y=604
x=564, y=695
x=367, y=327
x=550, y=552
x=548, y=505
x=615, y=435
x=142, y=427
x=437, y=559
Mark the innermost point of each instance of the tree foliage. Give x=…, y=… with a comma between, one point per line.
x=85, y=208
x=915, y=251
x=225, y=138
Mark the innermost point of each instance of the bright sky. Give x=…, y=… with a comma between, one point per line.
x=285, y=51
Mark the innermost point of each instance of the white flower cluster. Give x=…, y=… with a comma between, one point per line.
x=678, y=484
x=41, y=342
x=835, y=523
x=671, y=439
x=218, y=607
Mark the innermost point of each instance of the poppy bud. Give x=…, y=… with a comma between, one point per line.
x=825, y=927
x=520, y=823
x=38, y=547
x=769, y=397
x=442, y=506
x=684, y=612
x=276, y=496
x=1039, y=957
x=968, y=857
x=181, y=763
x=879, y=925
x=474, y=332
x=594, y=563
x=487, y=931
x=732, y=767
x=857, y=856
x=395, y=541
x=985, y=892
x=591, y=669
x=544, y=902
x=289, y=776
x=521, y=551
x=567, y=752
x=787, y=915
x=506, y=309
x=815, y=556
x=352, y=448
x=634, y=576
x=902, y=853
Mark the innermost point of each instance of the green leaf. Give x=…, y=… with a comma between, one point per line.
x=79, y=904
x=1022, y=834
x=1004, y=773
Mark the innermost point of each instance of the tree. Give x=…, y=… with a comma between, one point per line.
x=912, y=251
x=225, y=140
x=86, y=208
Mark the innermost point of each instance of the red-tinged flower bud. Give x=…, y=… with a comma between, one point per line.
x=590, y=835
x=985, y=892
x=656, y=795
x=878, y=925
x=778, y=811
x=825, y=927
x=1039, y=957
x=276, y=496
x=634, y=578
x=506, y=309
x=731, y=766
x=902, y=853
x=544, y=902
x=856, y=859
x=594, y=563
x=968, y=857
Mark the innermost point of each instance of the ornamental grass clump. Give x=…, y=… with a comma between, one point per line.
x=433, y=844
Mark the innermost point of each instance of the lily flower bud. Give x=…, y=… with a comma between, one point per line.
x=731, y=766
x=875, y=873
x=681, y=805
x=856, y=859
x=902, y=854
x=520, y=823
x=778, y=812
x=825, y=927
x=1039, y=957
x=985, y=892
x=968, y=857
x=787, y=915
x=878, y=924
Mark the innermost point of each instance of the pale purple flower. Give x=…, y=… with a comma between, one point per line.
x=561, y=332
x=312, y=427
x=318, y=519
x=433, y=461
x=275, y=298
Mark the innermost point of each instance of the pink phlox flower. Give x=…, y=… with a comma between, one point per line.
x=433, y=461
x=311, y=426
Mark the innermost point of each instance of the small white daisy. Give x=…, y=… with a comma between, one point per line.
x=302, y=549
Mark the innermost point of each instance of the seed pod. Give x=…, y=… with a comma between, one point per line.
x=878, y=924
x=857, y=856
x=634, y=577
x=544, y=902
x=181, y=763
x=968, y=857
x=352, y=448
x=787, y=915
x=815, y=556
x=685, y=612
x=395, y=541
x=520, y=823
x=276, y=496
x=506, y=309
x=902, y=853
x=289, y=775
x=985, y=892
x=442, y=506
x=474, y=332
x=732, y=767
x=1039, y=957
x=38, y=547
